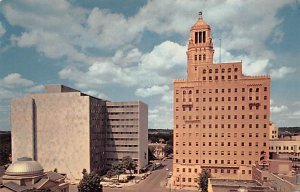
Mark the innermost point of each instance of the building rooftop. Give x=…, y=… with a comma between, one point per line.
x=24, y=166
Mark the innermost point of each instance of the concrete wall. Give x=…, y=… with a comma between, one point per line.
x=62, y=131
x=22, y=128
x=143, y=134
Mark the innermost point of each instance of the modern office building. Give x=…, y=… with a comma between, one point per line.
x=221, y=117
x=127, y=132
x=66, y=129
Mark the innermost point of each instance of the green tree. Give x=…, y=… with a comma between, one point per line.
x=129, y=164
x=110, y=174
x=117, y=169
x=168, y=149
x=203, y=180
x=151, y=156
x=90, y=182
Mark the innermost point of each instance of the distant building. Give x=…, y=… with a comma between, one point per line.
x=69, y=130
x=273, y=131
x=285, y=147
x=127, y=132
x=25, y=174
x=221, y=116
x=158, y=149
x=278, y=175
x=230, y=185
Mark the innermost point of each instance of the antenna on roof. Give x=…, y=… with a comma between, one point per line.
x=200, y=14
x=220, y=56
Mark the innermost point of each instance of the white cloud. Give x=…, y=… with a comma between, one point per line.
x=294, y=115
x=281, y=72
x=150, y=91
x=2, y=30
x=159, y=67
x=167, y=97
x=14, y=80
x=97, y=94
x=36, y=88
x=161, y=116
x=278, y=109
x=164, y=56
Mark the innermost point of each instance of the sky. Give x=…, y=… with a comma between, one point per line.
x=133, y=50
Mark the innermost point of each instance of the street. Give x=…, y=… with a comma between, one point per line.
x=156, y=182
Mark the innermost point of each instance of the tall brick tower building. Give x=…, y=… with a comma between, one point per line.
x=221, y=117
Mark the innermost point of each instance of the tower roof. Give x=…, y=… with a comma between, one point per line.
x=200, y=24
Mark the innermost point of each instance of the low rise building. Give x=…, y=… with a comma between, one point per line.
x=229, y=185
x=26, y=174
x=285, y=147
x=278, y=175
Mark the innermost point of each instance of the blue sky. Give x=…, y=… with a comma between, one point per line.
x=128, y=50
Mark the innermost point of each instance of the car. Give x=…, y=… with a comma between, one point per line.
x=167, y=169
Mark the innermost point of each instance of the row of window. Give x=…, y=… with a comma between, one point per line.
x=122, y=139
x=121, y=145
x=210, y=78
x=284, y=147
x=221, y=90
x=117, y=133
x=210, y=99
x=222, y=70
x=234, y=162
x=122, y=113
x=200, y=57
x=235, y=135
x=222, y=162
x=252, y=106
x=123, y=126
x=221, y=125
x=221, y=117
x=234, y=171
x=228, y=144
x=123, y=106
x=135, y=119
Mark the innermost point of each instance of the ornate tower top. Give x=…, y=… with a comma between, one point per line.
x=200, y=47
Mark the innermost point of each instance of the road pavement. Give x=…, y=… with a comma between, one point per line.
x=156, y=182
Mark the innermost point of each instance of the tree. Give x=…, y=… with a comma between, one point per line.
x=203, y=180
x=129, y=164
x=168, y=149
x=117, y=169
x=90, y=182
x=55, y=170
x=110, y=174
x=151, y=156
